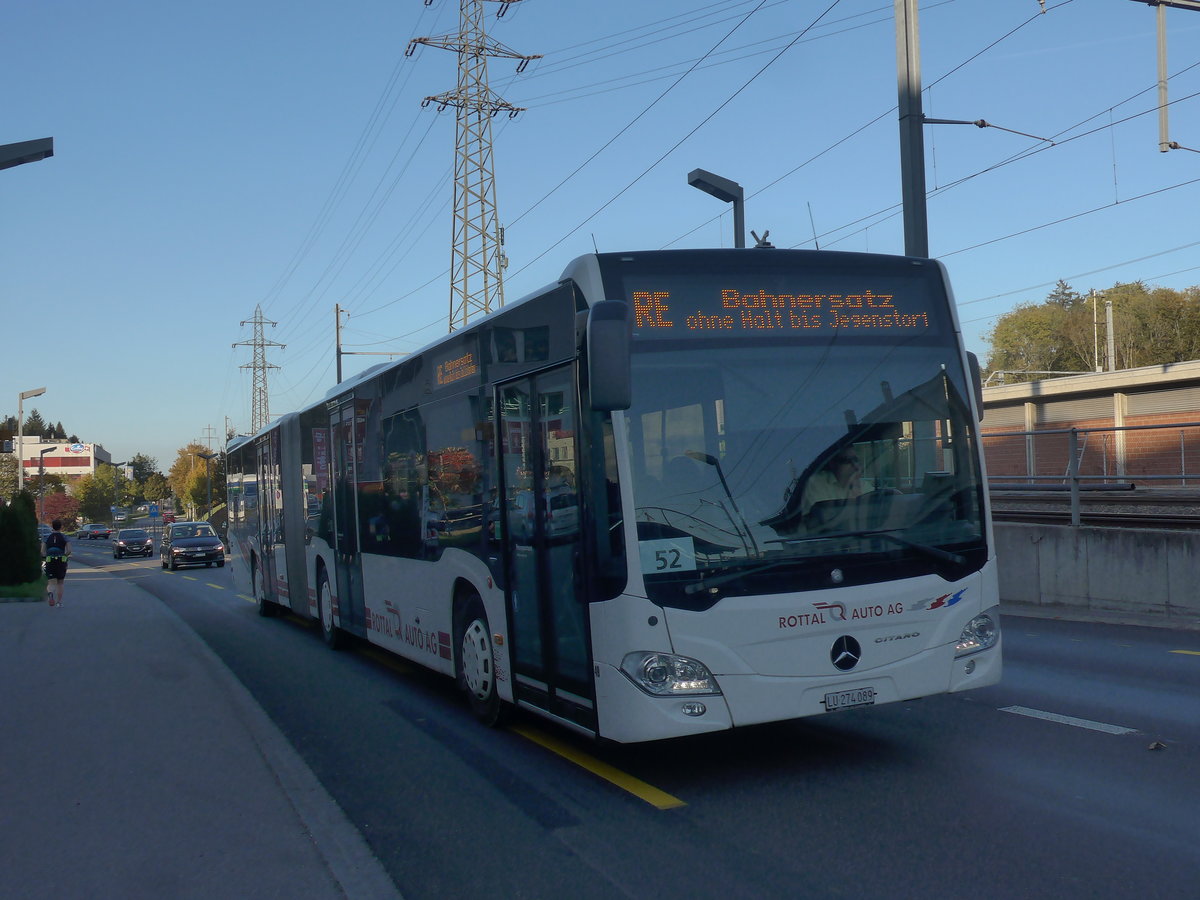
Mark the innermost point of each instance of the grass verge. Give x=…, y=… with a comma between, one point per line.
x=33, y=590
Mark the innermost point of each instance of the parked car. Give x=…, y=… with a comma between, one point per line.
x=93, y=532
x=44, y=531
x=190, y=544
x=132, y=542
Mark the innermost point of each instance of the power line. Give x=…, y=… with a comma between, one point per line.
x=680, y=142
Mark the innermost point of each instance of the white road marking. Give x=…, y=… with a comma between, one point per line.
x=1068, y=720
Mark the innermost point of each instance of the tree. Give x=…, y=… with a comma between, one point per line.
x=64, y=507
x=1032, y=339
x=96, y=492
x=183, y=469
x=94, y=497
x=143, y=466
x=1063, y=295
x=156, y=488
x=35, y=425
x=8, y=475
x=20, y=562
x=1150, y=326
x=196, y=489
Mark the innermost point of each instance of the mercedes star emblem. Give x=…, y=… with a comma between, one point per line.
x=845, y=653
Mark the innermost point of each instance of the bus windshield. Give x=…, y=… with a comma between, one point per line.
x=763, y=467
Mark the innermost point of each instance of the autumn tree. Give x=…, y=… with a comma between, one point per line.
x=1068, y=332
x=62, y=506
x=183, y=469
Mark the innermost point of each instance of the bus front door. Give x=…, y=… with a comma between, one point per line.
x=349, y=586
x=547, y=607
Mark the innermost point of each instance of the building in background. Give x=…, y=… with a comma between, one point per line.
x=1139, y=425
x=69, y=461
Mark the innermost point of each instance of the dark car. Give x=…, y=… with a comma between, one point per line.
x=190, y=544
x=93, y=533
x=132, y=542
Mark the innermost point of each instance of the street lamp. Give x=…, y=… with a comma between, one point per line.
x=730, y=192
x=208, y=474
x=25, y=152
x=117, y=488
x=21, y=398
x=42, y=482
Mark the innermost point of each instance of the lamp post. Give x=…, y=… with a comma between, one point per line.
x=25, y=152
x=42, y=482
x=207, y=457
x=21, y=398
x=730, y=192
x=117, y=489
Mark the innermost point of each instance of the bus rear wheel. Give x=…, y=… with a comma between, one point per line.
x=475, y=665
x=329, y=631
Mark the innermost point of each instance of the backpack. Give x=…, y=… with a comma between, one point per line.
x=56, y=544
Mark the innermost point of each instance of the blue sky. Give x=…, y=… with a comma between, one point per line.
x=212, y=158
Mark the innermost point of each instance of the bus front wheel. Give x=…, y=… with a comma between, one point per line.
x=329, y=631
x=476, y=664
x=265, y=607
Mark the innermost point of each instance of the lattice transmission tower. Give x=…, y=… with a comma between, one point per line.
x=477, y=255
x=260, y=407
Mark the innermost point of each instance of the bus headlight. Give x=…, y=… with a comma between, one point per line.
x=981, y=633
x=668, y=675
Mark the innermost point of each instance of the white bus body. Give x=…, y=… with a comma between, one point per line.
x=674, y=493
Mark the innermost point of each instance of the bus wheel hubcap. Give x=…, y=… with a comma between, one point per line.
x=477, y=660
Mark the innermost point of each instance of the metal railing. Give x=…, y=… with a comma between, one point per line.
x=1150, y=466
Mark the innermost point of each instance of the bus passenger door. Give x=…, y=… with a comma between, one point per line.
x=349, y=586
x=265, y=576
x=547, y=605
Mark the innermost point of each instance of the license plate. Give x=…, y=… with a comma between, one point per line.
x=849, y=699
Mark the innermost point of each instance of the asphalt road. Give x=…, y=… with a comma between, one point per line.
x=1077, y=776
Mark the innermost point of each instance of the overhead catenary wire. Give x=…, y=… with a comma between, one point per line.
x=680, y=142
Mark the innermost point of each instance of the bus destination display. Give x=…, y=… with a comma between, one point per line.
x=715, y=310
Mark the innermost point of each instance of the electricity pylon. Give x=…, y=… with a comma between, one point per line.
x=477, y=255
x=260, y=408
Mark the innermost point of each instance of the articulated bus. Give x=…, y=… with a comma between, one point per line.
x=674, y=492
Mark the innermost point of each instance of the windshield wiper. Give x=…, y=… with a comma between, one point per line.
x=887, y=533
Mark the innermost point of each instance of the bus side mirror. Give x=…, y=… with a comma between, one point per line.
x=609, y=335
x=976, y=381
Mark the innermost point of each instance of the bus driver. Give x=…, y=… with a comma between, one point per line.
x=839, y=479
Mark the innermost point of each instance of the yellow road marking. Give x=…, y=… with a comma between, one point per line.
x=247, y=599
x=190, y=578
x=623, y=780
x=215, y=586
x=1188, y=652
